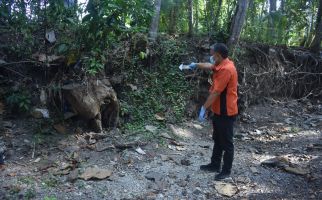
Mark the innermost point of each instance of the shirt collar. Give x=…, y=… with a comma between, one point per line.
x=223, y=62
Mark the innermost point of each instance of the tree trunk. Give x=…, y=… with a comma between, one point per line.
x=10, y=6
x=206, y=16
x=316, y=43
x=173, y=19
x=190, y=15
x=310, y=28
x=196, y=16
x=282, y=8
x=212, y=17
x=272, y=6
x=238, y=22
x=22, y=7
x=230, y=11
x=272, y=9
x=153, y=33
x=218, y=13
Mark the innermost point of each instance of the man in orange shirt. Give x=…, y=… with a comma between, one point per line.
x=222, y=101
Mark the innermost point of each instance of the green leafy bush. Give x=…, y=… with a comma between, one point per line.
x=164, y=90
x=19, y=100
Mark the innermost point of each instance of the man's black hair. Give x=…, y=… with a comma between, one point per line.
x=221, y=48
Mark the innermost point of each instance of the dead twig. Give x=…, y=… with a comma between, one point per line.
x=20, y=74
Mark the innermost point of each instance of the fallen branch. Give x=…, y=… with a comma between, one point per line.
x=20, y=62
x=122, y=146
x=20, y=74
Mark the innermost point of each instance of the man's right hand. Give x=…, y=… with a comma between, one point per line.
x=193, y=66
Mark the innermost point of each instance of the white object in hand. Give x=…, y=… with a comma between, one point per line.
x=182, y=66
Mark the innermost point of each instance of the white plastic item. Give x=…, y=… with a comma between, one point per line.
x=44, y=112
x=182, y=66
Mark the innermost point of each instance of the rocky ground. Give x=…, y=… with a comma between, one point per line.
x=278, y=156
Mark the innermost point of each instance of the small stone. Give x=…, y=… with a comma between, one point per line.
x=166, y=135
x=26, y=141
x=297, y=171
x=159, y=117
x=140, y=151
x=273, y=182
x=95, y=173
x=122, y=174
x=153, y=176
x=60, y=128
x=183, y=183
x=243, y=179
x=197, y=126
x=73, y=176
x=226, y=189
x=271, y=132
x=275, y=162
x=151, y=196
x=254, y=170
x=197, y=191
x=151, y=129
x=164, y=157
x=185, y=162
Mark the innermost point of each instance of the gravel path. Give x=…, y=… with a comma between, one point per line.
x=169, y=170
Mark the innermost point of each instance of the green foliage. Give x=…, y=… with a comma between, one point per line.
x=164, y=90
x=94, y=63
x=28, y=180
x=19, y=100
x=50, y=198
x=93, y=66
x=289, y=26
x=30, y=193
x=51, y=181
x=108, y=19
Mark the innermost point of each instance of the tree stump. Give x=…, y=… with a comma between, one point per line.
x=96, y=101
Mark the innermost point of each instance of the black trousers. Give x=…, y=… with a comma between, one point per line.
x=223, y=127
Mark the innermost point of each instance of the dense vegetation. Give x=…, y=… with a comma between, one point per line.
x=95, y=33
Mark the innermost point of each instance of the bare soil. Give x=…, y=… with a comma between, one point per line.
x=47, y=165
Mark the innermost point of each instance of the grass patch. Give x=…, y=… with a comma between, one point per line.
x=50, y=198
x=51, y=182
x=28, y=180
x=30, y=193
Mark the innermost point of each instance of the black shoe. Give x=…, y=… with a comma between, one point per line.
x=222, y=176
x=210, y=168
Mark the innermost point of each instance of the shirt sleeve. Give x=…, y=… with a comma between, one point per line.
x=213, y=68
x=221, y=81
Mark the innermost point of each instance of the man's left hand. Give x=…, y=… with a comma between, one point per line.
x=202, y=114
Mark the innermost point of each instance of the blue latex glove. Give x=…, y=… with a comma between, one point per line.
x=193, y=66
x=212, y=60
x=202, y=114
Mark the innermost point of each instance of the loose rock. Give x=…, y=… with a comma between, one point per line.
x=95, y=173
x=294, y=170
x=226, y=189
x=185, y=162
